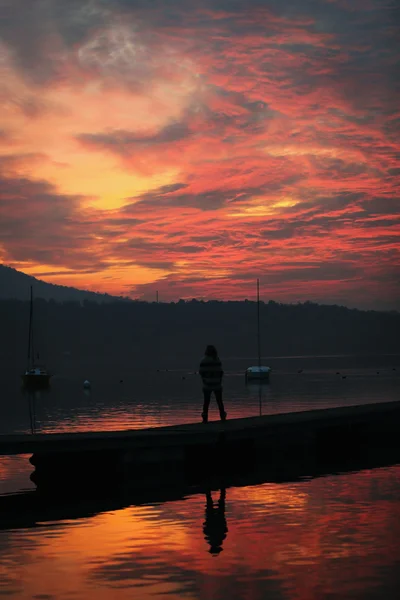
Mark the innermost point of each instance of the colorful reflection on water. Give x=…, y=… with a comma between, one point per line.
x=333, y=537
x=125, y=398
x=337, y=536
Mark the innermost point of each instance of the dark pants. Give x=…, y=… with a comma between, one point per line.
x=207, y=399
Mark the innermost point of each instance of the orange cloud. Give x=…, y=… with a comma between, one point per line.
x=194, y=149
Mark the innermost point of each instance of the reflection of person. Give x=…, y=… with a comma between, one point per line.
x=211, y=373
x=215, y=527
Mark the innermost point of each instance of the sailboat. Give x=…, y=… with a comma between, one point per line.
x=35, y=376
x=258, y=373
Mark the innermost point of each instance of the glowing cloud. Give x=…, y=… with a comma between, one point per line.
x=191, y=148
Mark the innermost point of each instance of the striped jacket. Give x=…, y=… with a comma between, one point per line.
x=211, y=373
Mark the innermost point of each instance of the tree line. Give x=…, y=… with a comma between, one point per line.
x=174, y=334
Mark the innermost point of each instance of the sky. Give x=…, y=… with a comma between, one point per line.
x=191, y=147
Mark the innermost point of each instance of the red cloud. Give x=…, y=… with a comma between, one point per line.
x=268, y=141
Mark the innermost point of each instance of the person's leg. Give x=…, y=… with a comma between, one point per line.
x=207, y=398
x=218, y=397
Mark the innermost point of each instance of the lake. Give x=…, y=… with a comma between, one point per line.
x=336, y=536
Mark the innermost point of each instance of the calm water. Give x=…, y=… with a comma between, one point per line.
x=122, y=397
x=337, y=536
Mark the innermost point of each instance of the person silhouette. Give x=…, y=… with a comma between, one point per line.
x=211, y=374
x=215, y=527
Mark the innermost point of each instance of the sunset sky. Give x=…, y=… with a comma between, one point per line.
x=191, y=146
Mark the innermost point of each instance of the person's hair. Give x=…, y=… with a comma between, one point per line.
x=211, y=351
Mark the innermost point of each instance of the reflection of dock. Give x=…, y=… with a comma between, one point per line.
x=159, y=454
x=53, y=503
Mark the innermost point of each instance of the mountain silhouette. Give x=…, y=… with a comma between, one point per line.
x=16, y=285
x=102, y=330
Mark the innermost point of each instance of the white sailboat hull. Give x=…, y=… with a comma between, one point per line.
x=257, y=373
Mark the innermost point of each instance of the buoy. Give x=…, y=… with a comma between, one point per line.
x=86, y=384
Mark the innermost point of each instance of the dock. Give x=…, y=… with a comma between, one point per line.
x=151, y=456
x=52, y=503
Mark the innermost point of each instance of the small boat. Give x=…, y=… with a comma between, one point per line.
x=35, y=376
x=258, y=373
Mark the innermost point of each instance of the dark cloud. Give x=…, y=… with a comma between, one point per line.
x=329, y=215
x=155, y=264
x=376, y=242
x=381, y=205
x=39, y=33
x=167, y=196
x=369, y=38
x=249, y=117
x=125, y=142
x=382, y=222
x=206, y=201
x=165, y=248
x=10, y=162
x=38, y=224
x=70, y=272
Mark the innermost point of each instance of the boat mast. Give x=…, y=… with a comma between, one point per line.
x=258, y=323
x=30, y=334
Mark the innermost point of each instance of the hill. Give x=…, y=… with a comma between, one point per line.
x=16, y=285
x=103, y=329
x=150, y=335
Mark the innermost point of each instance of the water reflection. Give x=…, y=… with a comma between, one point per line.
x=31, y=397
x=146, y=399
x=215, y=527
x=260, y=390
x=336, y=536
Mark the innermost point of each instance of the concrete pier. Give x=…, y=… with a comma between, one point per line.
x=153, y=456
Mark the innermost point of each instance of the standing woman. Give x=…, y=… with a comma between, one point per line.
x=211, y=373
